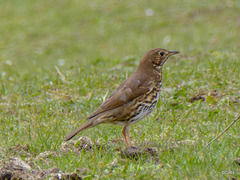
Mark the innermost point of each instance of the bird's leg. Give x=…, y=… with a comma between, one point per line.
x=129, y=139
x=126, y=135
x=125, y=138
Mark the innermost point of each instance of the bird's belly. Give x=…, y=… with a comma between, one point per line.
x=137, y=112
x=143, y=111
x=135, y=116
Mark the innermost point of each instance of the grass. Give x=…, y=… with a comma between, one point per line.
x=98, y=44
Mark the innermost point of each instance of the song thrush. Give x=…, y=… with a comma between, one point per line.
x=134, y=98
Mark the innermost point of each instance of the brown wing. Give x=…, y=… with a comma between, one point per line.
x=135, y=86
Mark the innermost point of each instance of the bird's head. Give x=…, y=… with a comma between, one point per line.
x=159, y=56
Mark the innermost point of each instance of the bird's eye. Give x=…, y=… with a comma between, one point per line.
x=162, y=53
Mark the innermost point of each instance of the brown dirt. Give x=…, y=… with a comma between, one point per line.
x=134, y=153
x=22, y=150
x=76, y=146
x=15, y=168
x=202, y=95
x=214, y=96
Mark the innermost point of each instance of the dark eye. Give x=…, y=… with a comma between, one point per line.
x=162, y=53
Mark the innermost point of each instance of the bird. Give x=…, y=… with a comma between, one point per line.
x=134, y=99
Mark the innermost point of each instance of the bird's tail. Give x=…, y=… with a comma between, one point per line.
x=84, y=126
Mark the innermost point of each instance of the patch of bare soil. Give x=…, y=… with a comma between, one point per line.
x=15, y=168
x=151, y=150
x=134, y=153
x=202, y=95
x=22, y=150
x=76, y=146
x=214, y=96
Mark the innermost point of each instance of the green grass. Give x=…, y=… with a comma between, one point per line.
x=96, y=45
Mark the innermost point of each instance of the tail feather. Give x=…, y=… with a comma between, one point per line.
x=84, y=126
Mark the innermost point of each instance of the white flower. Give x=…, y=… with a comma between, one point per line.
x=149, y=12
x=8, y=62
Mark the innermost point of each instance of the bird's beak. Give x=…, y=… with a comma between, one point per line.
x=173, y=52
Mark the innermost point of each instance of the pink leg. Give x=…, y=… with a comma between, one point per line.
x=126, y=135
x=129, y=139
x=125, y=138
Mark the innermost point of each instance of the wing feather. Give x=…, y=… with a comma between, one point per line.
x=129, y=90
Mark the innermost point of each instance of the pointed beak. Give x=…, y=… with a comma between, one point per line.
x=173, y=52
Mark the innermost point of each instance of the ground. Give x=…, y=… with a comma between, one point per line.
x=60, y=59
